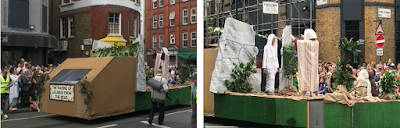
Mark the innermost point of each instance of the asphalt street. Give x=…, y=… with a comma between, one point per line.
x=175, y=117
x=212, y=122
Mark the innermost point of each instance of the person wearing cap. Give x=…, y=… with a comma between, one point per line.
x=194, y=100
x=158, y=98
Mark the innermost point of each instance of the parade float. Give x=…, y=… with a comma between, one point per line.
x=109, y=83
x=236, y=47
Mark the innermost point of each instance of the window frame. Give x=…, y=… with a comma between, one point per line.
x=160, y=3
x=172, y=40
x=193, y=15
x=160, y=20
x=112, y=24
x=173, y=19
x=154, y=21
x=62, y=28
x=171, y=2
x=160, y=41
x=134, y=24
x=71, y=30
x=185, y=17
x=191, y=39
x=154, y=43
x=183, y=40
x=154, y=3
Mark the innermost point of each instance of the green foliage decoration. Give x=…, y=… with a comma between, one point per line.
x=388, y=82
x=38, y=87
x=240, y=74
x=289, y=61
x=117, y=51
x=350, y=49
x=148, y=74
x=86, y=91
x=184, y=68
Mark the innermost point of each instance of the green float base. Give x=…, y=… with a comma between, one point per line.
x=179, y=96
x=286, y=112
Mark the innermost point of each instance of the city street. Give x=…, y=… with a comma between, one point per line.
x=212, y=122
x=175, y=117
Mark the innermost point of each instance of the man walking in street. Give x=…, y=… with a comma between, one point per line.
x=158, y=98
x=194, y=101
x=5, y=85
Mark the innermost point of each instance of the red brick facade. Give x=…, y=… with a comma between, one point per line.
x=90, y=23
x=178, y=29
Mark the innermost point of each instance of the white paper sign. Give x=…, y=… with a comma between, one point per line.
x=321, y=2
x=384, y=13
x=62, y=93
x=270, y=8
x=379, y=52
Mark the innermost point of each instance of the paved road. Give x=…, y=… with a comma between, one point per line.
x=212, y=122
x=175, y=117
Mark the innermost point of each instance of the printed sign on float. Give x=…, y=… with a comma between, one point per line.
x=62, y=93
x=270, y=8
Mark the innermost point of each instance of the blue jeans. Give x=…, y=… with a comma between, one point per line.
x=5, y=105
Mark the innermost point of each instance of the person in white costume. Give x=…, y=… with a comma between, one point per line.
x=270, y=63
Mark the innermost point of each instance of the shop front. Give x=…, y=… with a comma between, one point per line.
x=32, y=47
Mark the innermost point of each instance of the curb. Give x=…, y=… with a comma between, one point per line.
x=19, y=110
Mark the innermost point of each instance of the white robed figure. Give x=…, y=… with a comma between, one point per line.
x=162, y=63
x=270, y=64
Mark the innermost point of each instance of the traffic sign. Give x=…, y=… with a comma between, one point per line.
x=379, y=30
x=379, y=52
x=379, y=42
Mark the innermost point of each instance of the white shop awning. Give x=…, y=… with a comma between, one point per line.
x=172, y=15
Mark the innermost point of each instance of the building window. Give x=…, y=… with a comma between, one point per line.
x=154, y=4
x=66, y=1
x=134, y=27
x=172, y=39
x=160, y=41
x=172, y=19
x=193, y=15
x=161, y=2
x=352, y=29
x=114, y=23
x=62, y=28
x=193, y=39
x=154, y=22
x=184, y=40
x=160, y=20
x=184, y=0
x=184, y=16
x=172, y=2
x=397, y=42
x=70, y=27
x=154, y=42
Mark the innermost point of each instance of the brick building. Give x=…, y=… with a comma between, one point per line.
x=355, y=18
x=78, y=23
x=171, y=24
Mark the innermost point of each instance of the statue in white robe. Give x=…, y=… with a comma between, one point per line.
x=162, y=62
x=270, y=64
x=307, y=52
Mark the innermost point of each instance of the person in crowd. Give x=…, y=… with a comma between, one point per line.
x=354, y=73
x=270, y=63
x=14, y=89
x=321, y=87
x=328, y=83
x=308, y=68
x=194, y=101
x=378, y=75
x=25, y=85
x=5, y=92
x=158, y=98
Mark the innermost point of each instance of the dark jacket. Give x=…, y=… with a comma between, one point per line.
x=25, y=83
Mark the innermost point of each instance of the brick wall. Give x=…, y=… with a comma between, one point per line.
x=370, y=27
x=328, y=31
x=166, y=30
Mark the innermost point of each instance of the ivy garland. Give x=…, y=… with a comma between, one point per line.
x=38, y=87
x=117, y=51
x=85, y=90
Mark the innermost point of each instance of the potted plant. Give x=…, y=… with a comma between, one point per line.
x=349, y=49
x=289, y=62
x=388, y=84
x=240, y=74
